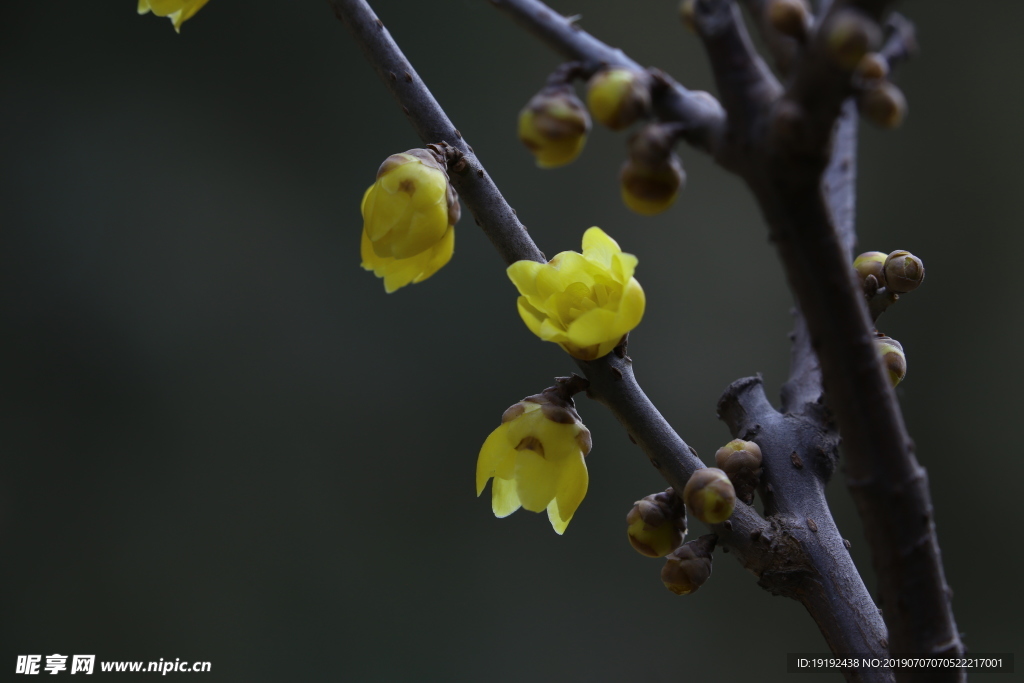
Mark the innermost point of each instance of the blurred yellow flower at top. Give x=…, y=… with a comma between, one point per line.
x=585, y=302
x=178, y=11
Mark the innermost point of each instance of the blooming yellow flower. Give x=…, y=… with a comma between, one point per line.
x=536, y=460
x=178, y=11
x=585, y=302
x=408, y=219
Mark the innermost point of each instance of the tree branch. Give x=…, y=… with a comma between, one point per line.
x=745, y=83
x=798, y=457
x=785, y=172
x=611, y=378
x=702, y=115
x=887, y=482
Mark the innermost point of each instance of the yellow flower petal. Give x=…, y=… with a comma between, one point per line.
x=536, y=480
x=492, y=454
x=572, y=487
x=178, y=11
x=504, y=500
x=599, y=247
x=593, y=327
x=440, y=255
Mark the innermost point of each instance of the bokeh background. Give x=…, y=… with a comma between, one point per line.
x=222, y=441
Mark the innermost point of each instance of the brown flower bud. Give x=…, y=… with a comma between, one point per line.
x=689, y=566
x=904, y=272
x=883, y=105
x=649, y=190
x=618, y=97
x=554, y=125
x=710, y=495
x=872, y=67
x=849, y=35
x=657, y=524
x=687, y=9
x=871, y=263
x=893, y=358
x=789, y=17
x=741, y=461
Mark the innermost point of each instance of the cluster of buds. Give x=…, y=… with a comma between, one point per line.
x=689, y=566
x=709, y=495
x=657, y=524
x=741, y=462
x=900, y=272
x=554, y=125
x=618, y=97
x=879, y=101
x=893, y=358
x=652, y=175
x=852, y=40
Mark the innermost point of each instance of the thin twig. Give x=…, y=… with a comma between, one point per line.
x=702, y=115
x=426, y=116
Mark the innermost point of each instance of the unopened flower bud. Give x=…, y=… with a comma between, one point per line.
x=849, y=36
x=789, y=17
x=554, y=125
x=617, y=97
x=871, y=263
x=710, y=495
x=657, y=524
x=741, y=461
x=893, y=358
x=408, y=218
x=689, y=566
x=883, y=105
x=649, y=190
x=904, y=272
x=872, y=67
x=687, y=8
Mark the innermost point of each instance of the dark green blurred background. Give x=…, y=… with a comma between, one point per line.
x=222, y=441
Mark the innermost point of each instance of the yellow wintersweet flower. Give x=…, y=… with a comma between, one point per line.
x=585, y=302
x=178, y=11
x=408, y=216
x=536, y=460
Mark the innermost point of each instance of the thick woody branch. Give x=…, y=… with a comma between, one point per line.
x=611, y=380
x=745, y=83
x=702, y=115
x=798, y=457
x=802, y=392
x=888, y=484
x=783, y=48
x=785, y=173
